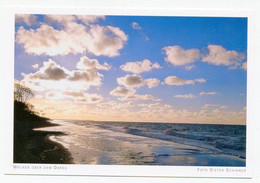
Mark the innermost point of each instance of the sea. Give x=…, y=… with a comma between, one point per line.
x=135, y=143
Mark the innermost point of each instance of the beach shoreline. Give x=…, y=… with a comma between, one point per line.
x=98, y=143
x=32, y=146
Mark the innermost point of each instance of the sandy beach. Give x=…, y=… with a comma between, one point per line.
x=109, y=144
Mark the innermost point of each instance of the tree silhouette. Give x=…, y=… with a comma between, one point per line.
x=22, y=93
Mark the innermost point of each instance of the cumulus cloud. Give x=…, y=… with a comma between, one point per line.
x=87, y=19
x=106, y=40
x=135, y=25
x=130, y=94
x=81, y=75
x=71, y=37
x=218, y=55
x=46, y=41
x=68, y=21
x=52, y=76
x=140, y=66
x=50, y=71
x=187, y=96
x=120, y=91
x=88, y=70
x=136, y=81
x=244, y=66
x=64, y=20
x=86, y=63
x=151, y=82
x=174, y=80
x=178, y=56
x=25, y=18
x=131, y=81
x=208, y=93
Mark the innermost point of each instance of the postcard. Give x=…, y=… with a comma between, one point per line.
x=101, y=93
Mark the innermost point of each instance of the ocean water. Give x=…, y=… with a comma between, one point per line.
x=126, y=143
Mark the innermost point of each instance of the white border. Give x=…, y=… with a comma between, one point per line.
x=118, y=170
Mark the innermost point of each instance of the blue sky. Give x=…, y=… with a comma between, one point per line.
x=204, y=59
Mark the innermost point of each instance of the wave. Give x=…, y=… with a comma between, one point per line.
x=216, y=138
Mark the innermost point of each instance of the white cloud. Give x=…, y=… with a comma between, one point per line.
x=87, y=19
x=38, y=96
x=51, y=76
x=26, y=18
x=115, y=106
x=208, y=93
x=152, y=82
x=157, y=106
x=140, y=66
x=174, y=80
x=73, y=97
x=74, y=93
x=200, y=80
x=69, y=21
x=131, y=81
x=218, y=55
x=151, y=112
x=35, y=66
x=146, y=38
x=189, y=67
x=49, y=71
x=106, y=40
x=206, y=106
x=90, y=98
x=71, y=37
x=216, y=112
x=120, y=91
x=177, y=56
x=54, y=72
x=136, y=81
x=86, y=63
x=130, y=94
x=56, y=96
x=244, y=66
x=135, y=25
x=185, y=96
x=48, y=41
x=64, y=20
x=140, y=97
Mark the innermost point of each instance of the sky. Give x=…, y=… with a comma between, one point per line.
x=134, y=68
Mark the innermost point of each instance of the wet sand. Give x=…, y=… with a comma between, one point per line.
x=94, y=145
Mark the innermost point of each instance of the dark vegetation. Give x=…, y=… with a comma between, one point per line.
x=32, y=146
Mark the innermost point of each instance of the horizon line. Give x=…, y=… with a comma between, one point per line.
x=150, y=122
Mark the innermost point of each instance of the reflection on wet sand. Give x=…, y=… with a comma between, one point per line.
x=90, y=144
